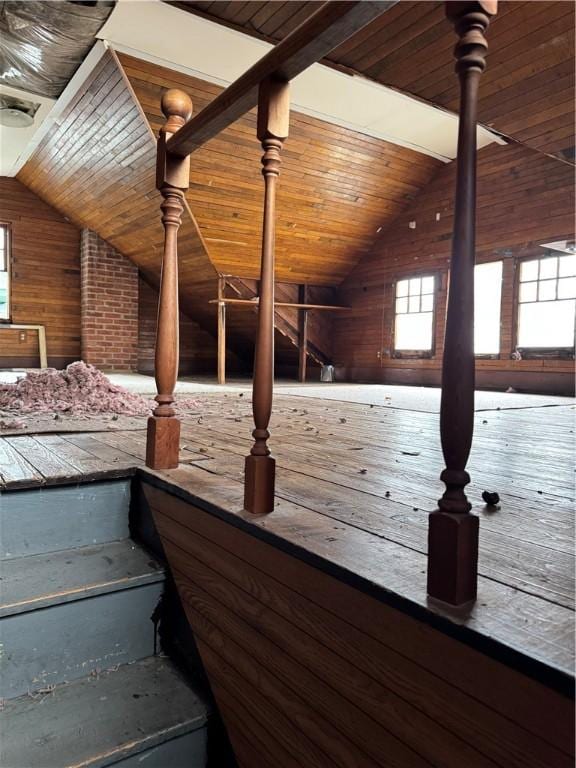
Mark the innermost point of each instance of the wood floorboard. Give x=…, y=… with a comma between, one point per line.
x=354, y=485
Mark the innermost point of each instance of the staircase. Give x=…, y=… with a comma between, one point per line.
x=242, y=326
x=82, y=681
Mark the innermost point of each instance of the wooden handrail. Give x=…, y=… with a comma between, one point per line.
x=453, y=531
x=332, y=24
x=291, y=305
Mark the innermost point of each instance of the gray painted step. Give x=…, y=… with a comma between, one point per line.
x=51, y=519
x=142, y=715
x=39, y=581
x=98, y=603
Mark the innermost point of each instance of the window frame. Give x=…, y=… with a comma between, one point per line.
x=416, y=354
x=535, y=353
x=6, y=225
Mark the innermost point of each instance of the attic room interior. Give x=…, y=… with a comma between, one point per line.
x=287, y=325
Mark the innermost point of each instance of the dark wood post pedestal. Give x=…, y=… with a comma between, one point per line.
x=172, y=178
x=273, y=121
x=453, y=531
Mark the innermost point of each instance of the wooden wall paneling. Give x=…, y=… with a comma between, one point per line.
x=524, y=198
x=45, y=279
x=362, y=682
x=103, y=178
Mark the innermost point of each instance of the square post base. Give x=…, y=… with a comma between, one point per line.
x=259, y=475
x=453, y=557
x=163, y=442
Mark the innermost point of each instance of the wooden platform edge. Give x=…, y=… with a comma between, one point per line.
x=548, y=675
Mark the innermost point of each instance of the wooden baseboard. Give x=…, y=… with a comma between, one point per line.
x=544, y=382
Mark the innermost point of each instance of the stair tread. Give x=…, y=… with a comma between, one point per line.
x=37, y=581
x=97, y=721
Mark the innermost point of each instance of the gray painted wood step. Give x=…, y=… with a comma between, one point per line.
x=39, y=581
x=71, y=613
x=143, y=714
x=51, y=519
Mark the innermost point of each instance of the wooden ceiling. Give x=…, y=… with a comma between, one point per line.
x=337, y=187
x=97, y=167
x=527, y=91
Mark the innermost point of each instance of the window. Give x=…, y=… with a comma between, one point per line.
x=547, y=302
x=487, y=305
x=414, y=317
x=4, y=273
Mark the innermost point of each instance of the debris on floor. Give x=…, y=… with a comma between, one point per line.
x=10, y=423
x=80, y=389
x=491, y=498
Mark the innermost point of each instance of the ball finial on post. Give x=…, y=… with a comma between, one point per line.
x=177, y=109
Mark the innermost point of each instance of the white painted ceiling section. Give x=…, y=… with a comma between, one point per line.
x=160, y=33
x=14, y=141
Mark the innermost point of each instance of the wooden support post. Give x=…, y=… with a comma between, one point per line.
x=172, y=178
x=302, y=334
x=221, y=330
x=453, y=531
x=272, y=130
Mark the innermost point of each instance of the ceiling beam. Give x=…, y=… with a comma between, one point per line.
x=329, y=27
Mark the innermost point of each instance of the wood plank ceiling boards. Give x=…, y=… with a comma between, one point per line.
x=337, y=187
x=528, y=89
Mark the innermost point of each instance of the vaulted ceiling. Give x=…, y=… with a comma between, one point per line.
x=337, y=187
x=97, y=166
x=527, y=91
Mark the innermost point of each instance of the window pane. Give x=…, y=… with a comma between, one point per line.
x=2, y=261
x=402, y=288
x=528, y=270
x=402, y=305
x=427, y=285
x=547, y=290
x=414, y=304
x=427, y=303
x=567, y=266
x=4, y=309
x=528, y=291
x=567, y=288
x=2, y=238
x=487, y=302
x=548, y=267
x=415, y=286
x=546, y=324
x=414, y=332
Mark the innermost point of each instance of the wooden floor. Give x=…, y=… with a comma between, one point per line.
x=354, y=485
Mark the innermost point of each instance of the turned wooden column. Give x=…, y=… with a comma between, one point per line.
x=453, y=531
x=172, y=178
x=272, y=130
x=302, y=333
x=221, y=330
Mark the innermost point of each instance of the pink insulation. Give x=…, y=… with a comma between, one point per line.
x=80, y=389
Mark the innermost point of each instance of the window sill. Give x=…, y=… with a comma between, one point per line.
x=413, y=355
x=540, y=353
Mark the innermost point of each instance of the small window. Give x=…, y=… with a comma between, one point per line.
x=547, y=303
x=4, y=273
x=487, y=306
x=414, y=315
